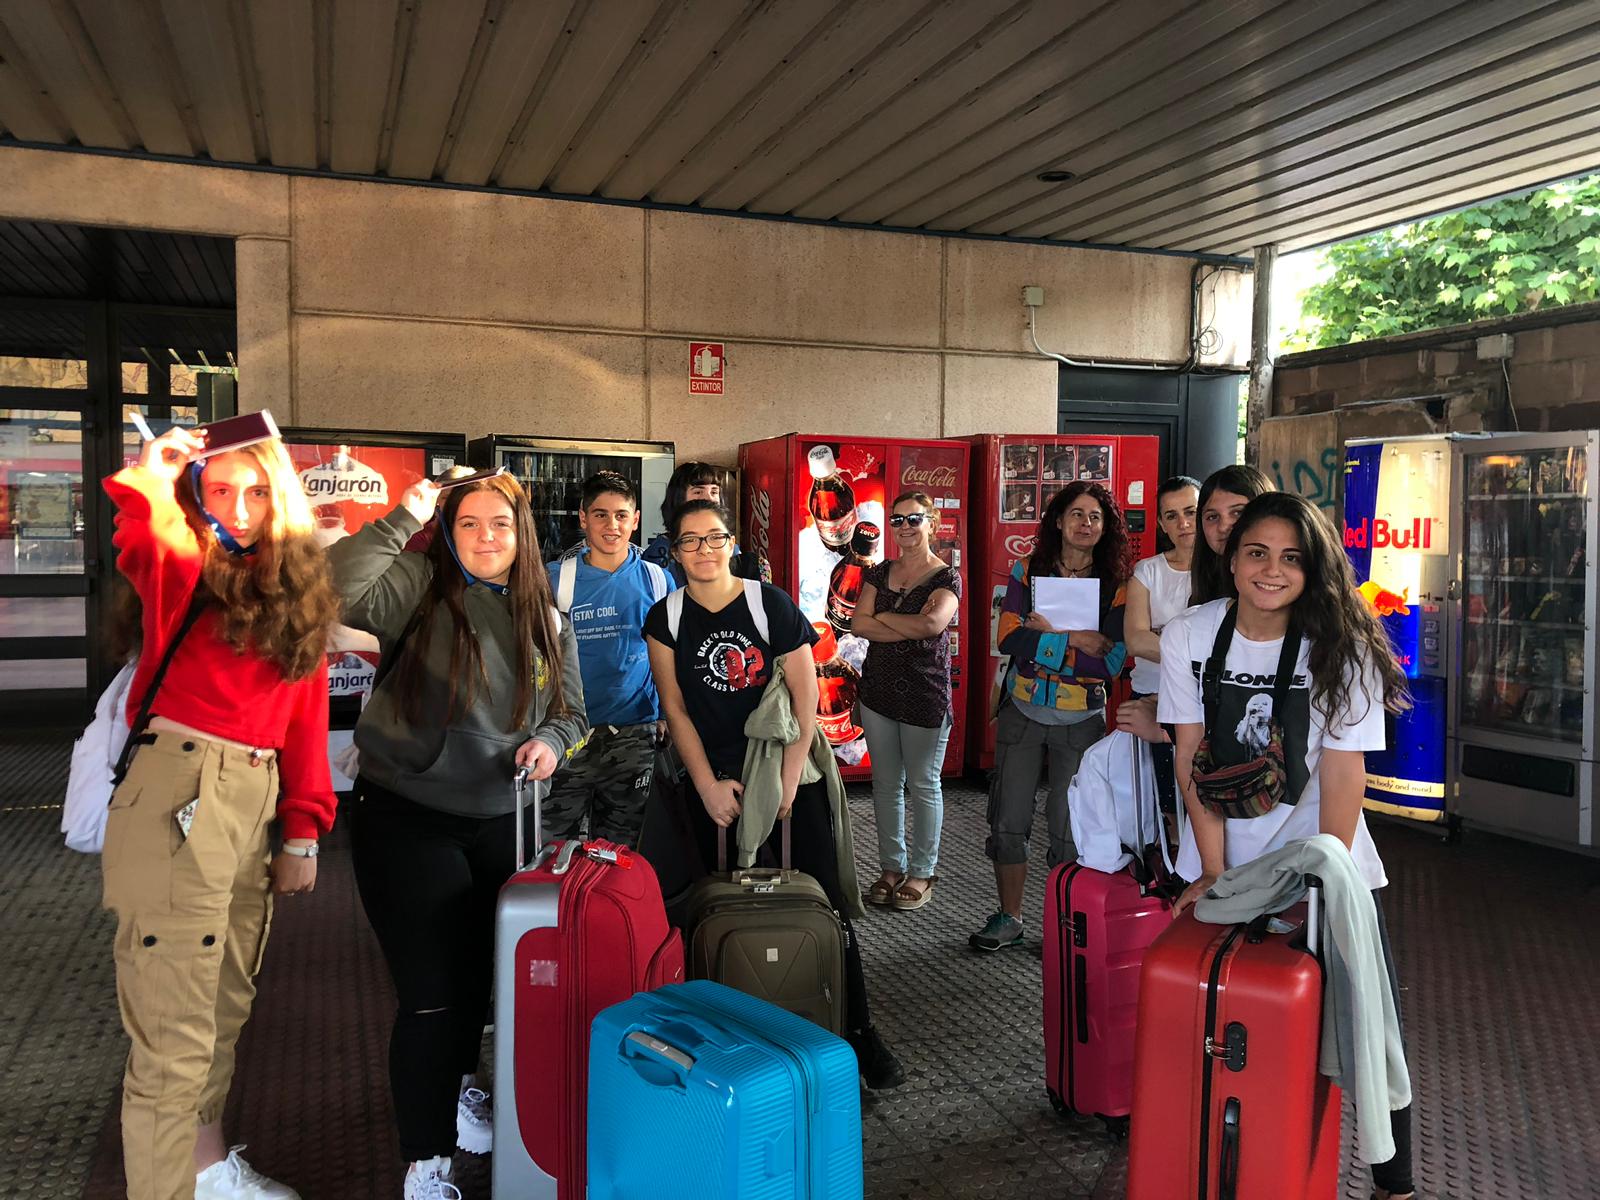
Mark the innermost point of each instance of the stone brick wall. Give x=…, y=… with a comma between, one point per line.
x=1553, y=373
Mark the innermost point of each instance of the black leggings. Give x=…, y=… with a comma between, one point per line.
x=429, y=881
x=813, y=851
x=1394, y=1176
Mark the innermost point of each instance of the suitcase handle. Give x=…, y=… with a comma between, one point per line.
x=1228, y=1170
x=519, y=784
x=640, y=1047
x=725, y=832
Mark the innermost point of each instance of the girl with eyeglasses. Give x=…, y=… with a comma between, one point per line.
x=711, y=673
x=1053, y=693
x=905, y=610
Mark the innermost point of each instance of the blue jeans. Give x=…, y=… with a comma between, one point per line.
x=906, y=760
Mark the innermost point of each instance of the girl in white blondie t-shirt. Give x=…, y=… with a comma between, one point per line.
x=1288, y=572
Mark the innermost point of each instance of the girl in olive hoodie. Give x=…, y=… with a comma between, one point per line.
x=481, y=678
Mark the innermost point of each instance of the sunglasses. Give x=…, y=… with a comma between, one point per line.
x=912, y=519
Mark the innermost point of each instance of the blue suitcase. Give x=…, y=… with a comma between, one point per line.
x=700, y=1092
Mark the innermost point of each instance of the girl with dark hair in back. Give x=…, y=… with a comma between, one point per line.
x=698, y=481
x=1053, y=693
x=484, y=680
x=1222, y=498
x=1286, y=576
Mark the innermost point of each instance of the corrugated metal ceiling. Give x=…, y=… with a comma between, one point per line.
x=1196, y=125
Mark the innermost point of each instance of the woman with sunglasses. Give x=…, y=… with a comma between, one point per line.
x=712, y=672
x=905, y=610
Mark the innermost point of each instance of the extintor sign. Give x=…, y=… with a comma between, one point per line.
x=706, y=362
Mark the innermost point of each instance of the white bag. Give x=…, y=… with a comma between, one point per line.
x=94, y=761
x=1112, y=802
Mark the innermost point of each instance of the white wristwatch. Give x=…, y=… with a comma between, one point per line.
x=300, y=851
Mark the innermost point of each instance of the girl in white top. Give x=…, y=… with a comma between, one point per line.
x=1284, y=560
x=1159, y=589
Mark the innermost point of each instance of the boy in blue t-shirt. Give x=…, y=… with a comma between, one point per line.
x=606, y=587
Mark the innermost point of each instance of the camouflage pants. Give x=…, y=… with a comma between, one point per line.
x=607, y=782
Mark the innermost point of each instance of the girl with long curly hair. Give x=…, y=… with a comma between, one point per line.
x=234, y=593
x=1291, y=604
x=1053, y=692
x=484, y=680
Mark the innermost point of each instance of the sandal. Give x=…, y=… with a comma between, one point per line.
x=882, y=892
x=908, y=897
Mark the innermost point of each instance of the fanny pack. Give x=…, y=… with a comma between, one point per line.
x=1240, y=791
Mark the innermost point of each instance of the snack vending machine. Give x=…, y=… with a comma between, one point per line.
x=1496, y=635
x=553, y=470
x=815, y=506
x=1014, y=478
x=351, y=477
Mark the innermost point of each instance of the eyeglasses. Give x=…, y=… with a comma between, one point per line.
x=912, y=519
x=691, y=542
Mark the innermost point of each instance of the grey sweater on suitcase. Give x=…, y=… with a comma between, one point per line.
x=1361, y=1047
x=465, y=765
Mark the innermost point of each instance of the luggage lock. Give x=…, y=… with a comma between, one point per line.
x=1231, y=1049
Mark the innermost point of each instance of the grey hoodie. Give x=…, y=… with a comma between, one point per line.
x=463, y=766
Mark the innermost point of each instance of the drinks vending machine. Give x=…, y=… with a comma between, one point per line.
x=815, y=506
x=352, y=477
x=1014, y=478
x=1477, y=552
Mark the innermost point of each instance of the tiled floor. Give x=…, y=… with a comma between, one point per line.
x=1495, y=940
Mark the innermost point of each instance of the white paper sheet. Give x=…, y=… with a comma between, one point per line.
x=1067, y=604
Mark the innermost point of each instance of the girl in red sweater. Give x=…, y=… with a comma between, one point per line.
x=221, y=554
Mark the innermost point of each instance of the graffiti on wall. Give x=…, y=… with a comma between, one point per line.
x=1317, y=481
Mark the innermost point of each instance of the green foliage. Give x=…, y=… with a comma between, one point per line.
x=1517, y=255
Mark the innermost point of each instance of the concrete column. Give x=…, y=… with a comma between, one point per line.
x=1261, y=352
x=266, y=351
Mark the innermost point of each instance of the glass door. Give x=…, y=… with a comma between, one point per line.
x=1525, y=594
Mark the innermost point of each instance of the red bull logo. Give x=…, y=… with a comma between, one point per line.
x=1384, y=602
x=1379, y=534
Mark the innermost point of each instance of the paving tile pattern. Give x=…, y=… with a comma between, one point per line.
x=1495, y=939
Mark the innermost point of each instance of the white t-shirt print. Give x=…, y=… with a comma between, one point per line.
x=1244, y=715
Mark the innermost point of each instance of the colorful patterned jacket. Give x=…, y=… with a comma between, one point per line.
x=1045, y=670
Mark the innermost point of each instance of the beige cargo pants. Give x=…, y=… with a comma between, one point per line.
x=192, y=917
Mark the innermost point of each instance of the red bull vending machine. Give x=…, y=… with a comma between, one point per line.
x=815, y=506
x=1475, y=551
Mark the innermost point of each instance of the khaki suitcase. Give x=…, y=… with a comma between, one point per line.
x=772, y=934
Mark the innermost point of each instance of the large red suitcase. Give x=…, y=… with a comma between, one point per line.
x=1228, y=1103
x=1096, y=930
x=579, y=929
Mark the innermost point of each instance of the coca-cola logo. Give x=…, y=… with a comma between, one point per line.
x=761, y=521
x=1020, y=545
x=929, y=477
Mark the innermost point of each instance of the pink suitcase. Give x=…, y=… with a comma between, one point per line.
x=579, y=929
x=1096, y=930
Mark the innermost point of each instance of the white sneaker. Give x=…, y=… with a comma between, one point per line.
x=429, y=1179
x=235, y=1179
x=474, y=1121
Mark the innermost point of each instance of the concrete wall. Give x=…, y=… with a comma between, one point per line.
x=388, y=306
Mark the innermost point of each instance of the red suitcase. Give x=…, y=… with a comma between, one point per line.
x=579, y=929
x=1228, y=1103
x=1096, y=930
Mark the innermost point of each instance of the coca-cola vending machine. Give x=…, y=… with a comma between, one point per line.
x=815, y=506
x=1014, y=478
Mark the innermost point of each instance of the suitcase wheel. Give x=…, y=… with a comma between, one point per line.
x=1057, y=1103
x=1116, y=1128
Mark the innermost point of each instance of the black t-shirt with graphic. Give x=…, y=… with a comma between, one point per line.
x=723, y=665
